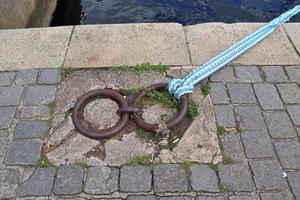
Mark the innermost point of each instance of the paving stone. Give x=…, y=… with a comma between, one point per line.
x=6, y=78
x=257, y=144
x=36, y=95
x=31, y=129
x=3, y=141
x=23, y=152
x=176, y=198
x=293, y=178
x=135, y=179
x=207, y=40
x=274, y=74
x=292, y=30
x=10, y=96
x=268, y=96
x=210, y=198
x=25, y=77
x=224, y=115
x=6, y=116
x=267, y=174
x=249, y=117
x=40, y=48
x=148, y=197
x=276, y=196
x=279, y=124
x=298, y=130
x=203, y=178
x=289, y=154
x=233, y=146
x=248, y=74
x=49, y=76
x=9, y=179
x=293, y=72
x=218, y=93
x=224, y=75
x=69, y=180
x=241, y=93
x=294, y=112
x=127, y=44
x=39, y=184
x=101, y=180
x=236, y=177
x=243, y=197
x=30, y=112
x=290, y=92
x=170, y=178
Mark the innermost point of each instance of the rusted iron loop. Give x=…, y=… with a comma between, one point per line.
x=154, y=127
x=105, y=133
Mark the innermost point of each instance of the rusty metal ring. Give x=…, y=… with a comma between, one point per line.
x=105, y=133
x=154, y=127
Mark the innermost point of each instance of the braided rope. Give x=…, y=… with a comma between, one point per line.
x=179, y=87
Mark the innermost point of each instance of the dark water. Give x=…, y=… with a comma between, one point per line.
x=73, y=12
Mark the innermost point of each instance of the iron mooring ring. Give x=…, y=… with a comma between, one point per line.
x=124, y=111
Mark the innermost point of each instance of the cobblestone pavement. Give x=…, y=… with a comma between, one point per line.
x=262, y=157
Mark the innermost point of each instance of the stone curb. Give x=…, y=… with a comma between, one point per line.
x=88, y=46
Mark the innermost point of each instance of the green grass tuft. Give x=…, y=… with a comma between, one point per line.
x=205, y=88
x=193, y=110
x=141, y=68
x=223, y=189
x=131, y=91
x=186, y=164
x=164, y=97
x=43, y=162
x=140, y=160
x=81, y=163
x=66, y=71
x=221, y=130
x=227, y=159
x=143, y=135
x=213, y=167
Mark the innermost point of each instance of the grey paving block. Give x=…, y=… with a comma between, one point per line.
x=293, y=73
x=49, y=76
x=139, y=197
x=6, y=116
x=135, y=179
x=243, y=197
x=101, y=180
x=248, y=74
x=36, y=95
x=69, y=180
x=25, y=77
x=293, y=178
x=257, y=144
x=218, y=93
x=241, y=93
x=10, y=96
x=203, y=178
x=298, y=130
x=39, y=184
x=279, y=124
x=290, y=92
x=31, y=129
x=224, y=115
x=250, y=117
x=224, y=75
x=294, y=112
x=267, y=174
x=170, y=178
x=289, y=154
x=3, y=141
x=236, y=177
x=6, y=78
x=276, y=196
x=176, y=198
x=9, y=180
x=210, y=198
x=23, y=152
x=39, y=112
x=268, y=96
x=274, y=74
x=233, y=146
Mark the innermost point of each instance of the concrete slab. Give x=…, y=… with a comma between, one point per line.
x=208, y=40
x=293, y=31
x=33, y=48
x=127, y=44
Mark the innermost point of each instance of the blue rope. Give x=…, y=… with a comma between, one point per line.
x=179, y=87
